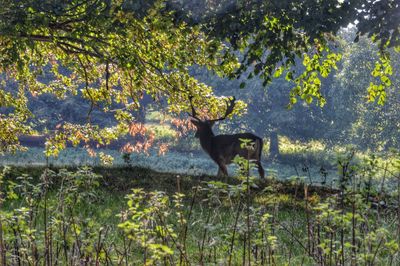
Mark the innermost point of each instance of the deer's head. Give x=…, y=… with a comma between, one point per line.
x=204, y=127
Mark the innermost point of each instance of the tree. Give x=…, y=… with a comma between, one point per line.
x=347, y=117
x=369, y=126
x=273, y=35
x=113, y=56
x=112, y=52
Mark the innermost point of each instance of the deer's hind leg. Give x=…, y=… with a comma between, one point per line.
x=222, y=171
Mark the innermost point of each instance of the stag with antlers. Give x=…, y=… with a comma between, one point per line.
x=223, y=148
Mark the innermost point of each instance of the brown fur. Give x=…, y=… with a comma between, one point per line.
x=223, y=148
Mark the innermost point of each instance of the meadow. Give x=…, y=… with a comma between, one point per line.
x=128, y=214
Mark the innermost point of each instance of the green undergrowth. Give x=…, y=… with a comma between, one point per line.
x=127, y=214
x=136, y=216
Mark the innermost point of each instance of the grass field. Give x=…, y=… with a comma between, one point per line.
x=135, y=216
x=195, y=164
x=317, y=206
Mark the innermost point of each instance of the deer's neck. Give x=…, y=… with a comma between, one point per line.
x=206, y=141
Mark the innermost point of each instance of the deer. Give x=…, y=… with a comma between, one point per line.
x=222, y=149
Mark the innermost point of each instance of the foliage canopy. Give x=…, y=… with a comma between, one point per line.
x=113, y=52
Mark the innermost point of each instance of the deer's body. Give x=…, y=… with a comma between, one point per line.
x=223, y=148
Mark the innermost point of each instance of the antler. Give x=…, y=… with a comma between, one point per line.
x=230, y=105
x=194, y=115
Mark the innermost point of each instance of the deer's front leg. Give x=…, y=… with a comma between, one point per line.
x=222, y=171
x=219, y=172
x=260, y=170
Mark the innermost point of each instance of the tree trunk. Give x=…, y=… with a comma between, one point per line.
x=273, y=145
x=140, y=114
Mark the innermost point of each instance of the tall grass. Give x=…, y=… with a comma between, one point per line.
x=73, y=218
